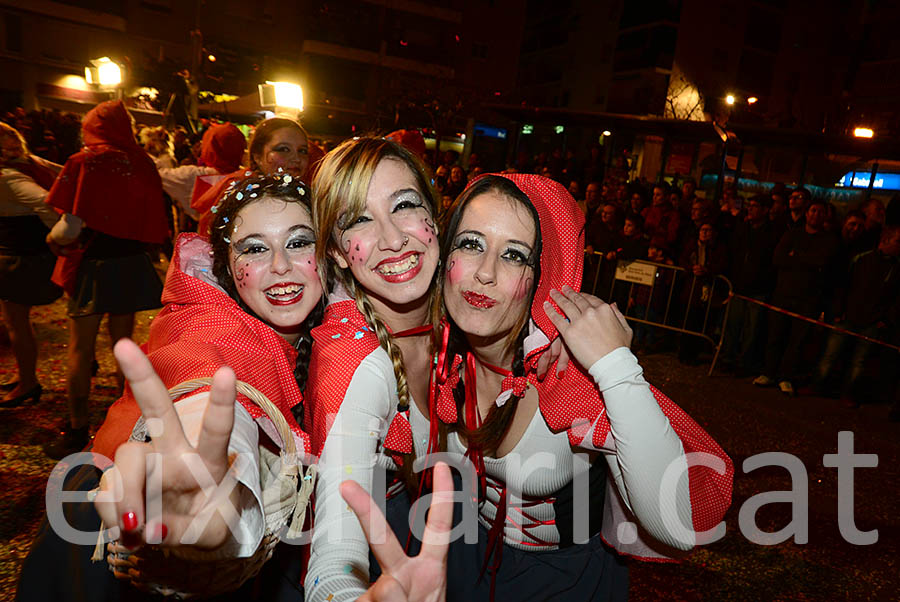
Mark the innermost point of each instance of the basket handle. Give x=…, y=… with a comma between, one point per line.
x=254, y=395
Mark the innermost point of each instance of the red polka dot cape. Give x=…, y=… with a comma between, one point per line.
x=199, y=330
x=573, y=403
x=340, y=344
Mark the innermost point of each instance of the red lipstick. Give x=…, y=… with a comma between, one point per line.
x=284, y=298
x=398, y=277
x=477, y=300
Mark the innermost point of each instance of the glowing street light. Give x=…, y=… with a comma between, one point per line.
x=211, y=58
x=104, y=72
x=752, y=100
x=863, y=132
x=607, y=133
x=729, y=99
x=287, y=95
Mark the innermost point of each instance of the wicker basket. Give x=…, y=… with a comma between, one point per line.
x=187, y=572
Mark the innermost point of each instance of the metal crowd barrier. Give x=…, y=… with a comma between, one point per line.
x=647, y=273
x=678, y=312
x=820, y=323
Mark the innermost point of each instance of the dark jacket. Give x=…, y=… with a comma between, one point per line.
x=803, y=261
x=715, y=260
x=751, y=258
x=873, y=291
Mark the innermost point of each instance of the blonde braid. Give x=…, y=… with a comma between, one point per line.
x=387, y=342
x=396, y=354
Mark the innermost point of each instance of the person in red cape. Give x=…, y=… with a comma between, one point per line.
x=411, y=139
x=240, y=303
x=277, y=143
x=513, y=259
x=112, y=203
x=26, y=262
x=221, y=152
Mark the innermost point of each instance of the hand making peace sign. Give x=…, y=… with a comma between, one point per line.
x=192, y=493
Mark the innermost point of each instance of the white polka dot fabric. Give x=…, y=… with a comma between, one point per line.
x=340, y=344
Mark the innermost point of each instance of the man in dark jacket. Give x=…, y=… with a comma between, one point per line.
x=803, y=258
x=870, y=307
x=752, y=275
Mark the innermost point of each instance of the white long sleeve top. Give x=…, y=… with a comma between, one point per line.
x=640, y=447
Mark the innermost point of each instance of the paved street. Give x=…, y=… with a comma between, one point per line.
x=744, y=419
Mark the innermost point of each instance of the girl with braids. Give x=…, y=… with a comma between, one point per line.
x=246, y=299
x=374, y=213
x=513, y=257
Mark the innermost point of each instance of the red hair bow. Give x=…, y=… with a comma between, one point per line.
x=512, y=385
x=446, y=404
x=399, y=435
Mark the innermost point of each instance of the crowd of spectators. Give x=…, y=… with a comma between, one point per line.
x=50, y=134
x=784, y=248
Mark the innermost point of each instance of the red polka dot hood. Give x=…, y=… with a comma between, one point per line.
x=200, y=329
x=573, y=403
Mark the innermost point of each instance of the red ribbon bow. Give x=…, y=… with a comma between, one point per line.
x=446, y=404
x=399, y=435
x=518, y=384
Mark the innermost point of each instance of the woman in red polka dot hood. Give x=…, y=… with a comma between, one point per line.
x=239, y=305
x=651, y=480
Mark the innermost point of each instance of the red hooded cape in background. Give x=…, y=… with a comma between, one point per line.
x=411, y=139
x=199, y=330
x=112, y=184
x=223, y=147
x=573, y=403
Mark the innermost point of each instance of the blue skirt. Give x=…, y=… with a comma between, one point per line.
x=589, y=571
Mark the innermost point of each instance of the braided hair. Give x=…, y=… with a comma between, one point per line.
x=241, y=193
x=340, y=189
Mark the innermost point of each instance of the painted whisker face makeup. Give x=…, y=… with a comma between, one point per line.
x=392, y=247
x=272, y=260
x=490, y=268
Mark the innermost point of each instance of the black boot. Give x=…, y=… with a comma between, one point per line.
x=70, y=442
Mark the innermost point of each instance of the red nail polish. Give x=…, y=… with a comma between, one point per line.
x=129, y=521
x=163, y=531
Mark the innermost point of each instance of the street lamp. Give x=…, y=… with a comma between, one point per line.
x=752, y=100
x=104, y=72
x=863, y=132
x=729, y=99
x=288, y=95
x=283, y=95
